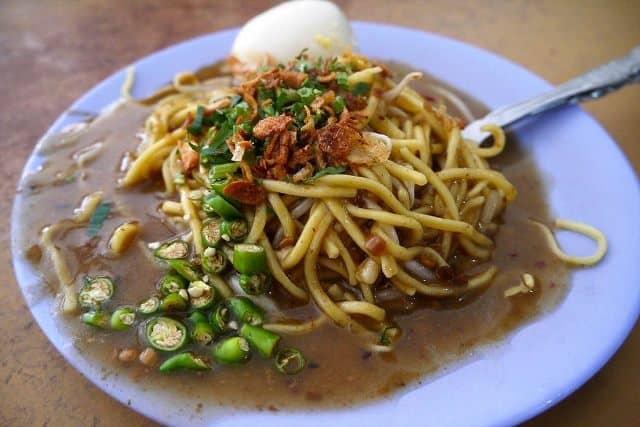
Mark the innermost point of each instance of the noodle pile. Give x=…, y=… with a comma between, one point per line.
x=411, y=195
x=357, y=187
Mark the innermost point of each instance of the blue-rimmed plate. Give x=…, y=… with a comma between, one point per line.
x=588, y=180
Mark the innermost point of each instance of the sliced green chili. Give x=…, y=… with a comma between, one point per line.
x=210, y=232
x=149, y=306
x=231, y=350
x=202, y=333
x=214, y=203
x=176, y=249
x=123, y=318
x=262, y=340
x=173, y=302
x=234, y=230
x=213, y=261
x=255, y=284
x=197, y=316
x=185, y=269
x=221, y=171
x=95, y=291
x=201, y=295
x=249, y=258
x=172, y=283
x=185, y=361
x=245, y=310
x=218, y=185
x=97, y=319
x=289, y=361
x=219, y=318
x=166, y=334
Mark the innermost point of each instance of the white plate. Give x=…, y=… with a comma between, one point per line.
x=589, y=180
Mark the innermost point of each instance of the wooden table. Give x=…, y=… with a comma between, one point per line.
x=51, y=52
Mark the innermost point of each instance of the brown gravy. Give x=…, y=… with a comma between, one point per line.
x=340, y=371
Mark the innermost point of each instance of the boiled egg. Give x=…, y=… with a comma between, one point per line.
x=282, y=32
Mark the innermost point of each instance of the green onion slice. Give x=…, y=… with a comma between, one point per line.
x=289, y=361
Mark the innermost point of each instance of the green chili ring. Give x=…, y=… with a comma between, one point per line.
x=184, y=361
x=171, y=283
x=97, y=319
x=210, y=232
x=249, y=258
x=176, y=249
x=245, y=310
x=174, y=302
x=166, y=334
x=149, y=306
x=218, y=185
x=255, y=284
x=214, y=203
x=202, y=296
x=231, y=350
x=123, y=318
x=234, y=230
x=95, y=291
x=214, y=261
x=289, y=361
x=220, y=318
x=202, y=333
x=262, y=340
x=185, y=269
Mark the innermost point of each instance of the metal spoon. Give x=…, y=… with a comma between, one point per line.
x=593, y=84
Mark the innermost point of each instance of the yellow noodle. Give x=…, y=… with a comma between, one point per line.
x=578, y=227
x=498, y=142
x=88, y=205
x=317, y=293
x=384, y=217
x=434, y=180
x=347, y=259
x=123, y=237
x=220, y=285
x=278, y=273
x=313, y=191
x=172, y=208
x=296, y=328
x=304, y=240
x=194, y=219
x=282, y=212
x=61, y=268
x=383, y=175
x=386, y=126
x=334, y=265
x=404, y=173
x=141, y=167
x=452, y=149
x=364, y=308
x=388, y=265
x=495, y=178
x=393, y=248
x=257, y=225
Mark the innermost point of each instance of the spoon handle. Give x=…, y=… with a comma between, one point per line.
x=593, y=84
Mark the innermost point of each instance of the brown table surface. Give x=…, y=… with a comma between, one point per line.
x=51, y=52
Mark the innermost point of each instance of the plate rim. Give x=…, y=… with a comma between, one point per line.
x=358, y=26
